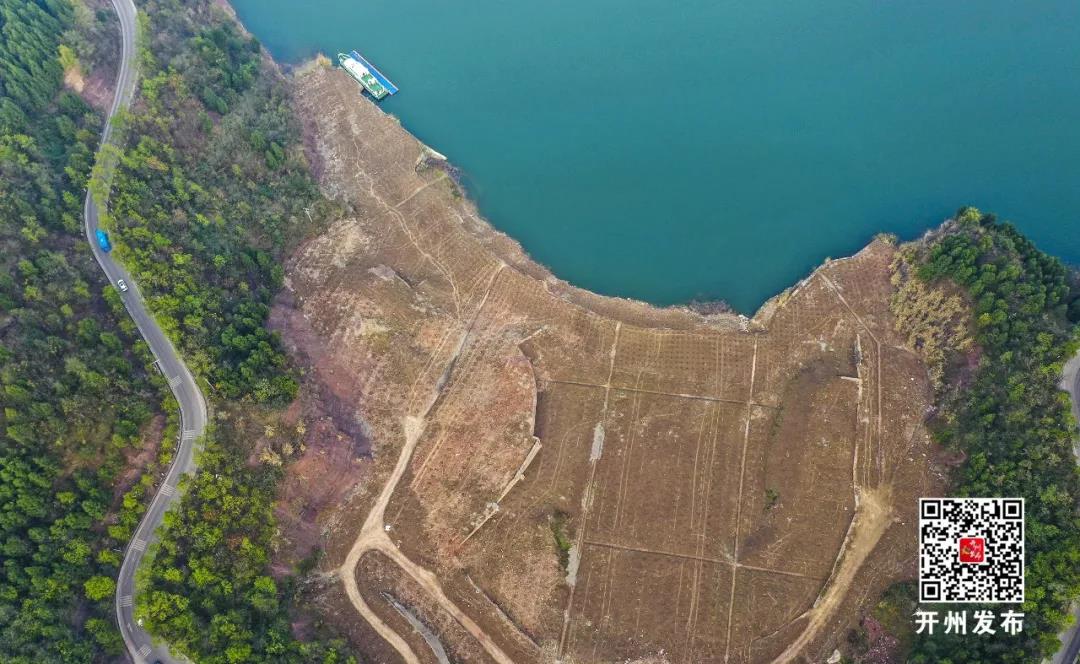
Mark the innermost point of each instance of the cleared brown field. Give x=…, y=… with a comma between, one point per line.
x=560, y=476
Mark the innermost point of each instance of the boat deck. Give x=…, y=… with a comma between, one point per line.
x=385, y=82
x=364, y=76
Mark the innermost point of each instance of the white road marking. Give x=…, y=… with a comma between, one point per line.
x=127, y=79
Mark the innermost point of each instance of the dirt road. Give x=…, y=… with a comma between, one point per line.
x=373, y=535
x=873, y=516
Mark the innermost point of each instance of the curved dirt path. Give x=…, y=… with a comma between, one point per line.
x=873, y=516
x=373, y=535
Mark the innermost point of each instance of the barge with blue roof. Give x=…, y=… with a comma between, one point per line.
x=372, y=80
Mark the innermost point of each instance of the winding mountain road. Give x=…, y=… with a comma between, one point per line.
x=1070, y=639
x=193, y=414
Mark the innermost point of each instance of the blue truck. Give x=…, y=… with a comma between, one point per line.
x=103, y=240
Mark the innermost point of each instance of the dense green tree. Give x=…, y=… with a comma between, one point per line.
x=77, y=385
x=1013, y=422
x=29, y=67
x=207, y=590
x=99, y=588
x=206, y=195
x=74, y=389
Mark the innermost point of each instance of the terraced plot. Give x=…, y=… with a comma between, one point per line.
x=560, y=476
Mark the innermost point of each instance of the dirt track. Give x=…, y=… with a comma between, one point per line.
x=873, y=516
x=373, y=537
x=694, y=489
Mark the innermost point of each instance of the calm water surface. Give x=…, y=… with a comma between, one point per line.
x=717, y=148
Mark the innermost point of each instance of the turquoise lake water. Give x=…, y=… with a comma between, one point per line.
x=721, y=149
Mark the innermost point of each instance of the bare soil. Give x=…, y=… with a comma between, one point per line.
x=95, y=78
x=557, y=475
x=139, y=458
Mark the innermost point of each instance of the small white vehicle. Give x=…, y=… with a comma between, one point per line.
x=122, y=285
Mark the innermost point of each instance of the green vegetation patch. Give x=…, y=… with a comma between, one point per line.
x=210, y=189
x=772, y=497
x=76, y=388
x=1012, y=422
x=208, y=192
x=563, y=543
x=206, y=589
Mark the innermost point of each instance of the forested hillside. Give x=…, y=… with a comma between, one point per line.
x=1013, y=423
x=77, y=390
x=208, y=590
x=1009, y=422
x=208, y=190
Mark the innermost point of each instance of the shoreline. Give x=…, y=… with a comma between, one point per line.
x=909, y=214
x=510, y=250
x=393, y=230
x=514, y=253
